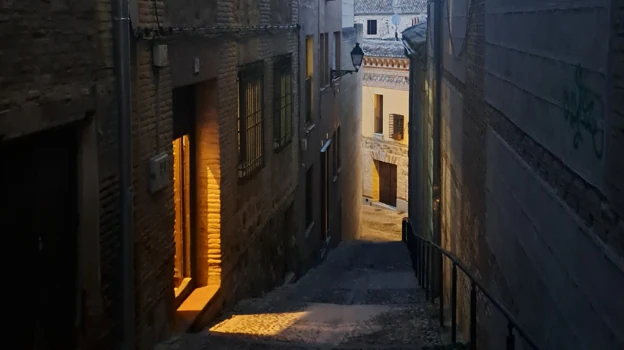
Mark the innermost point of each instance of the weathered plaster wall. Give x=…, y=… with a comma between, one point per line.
x=394, y=102
x=351, y=132
x=348, y=7
x=527, y=200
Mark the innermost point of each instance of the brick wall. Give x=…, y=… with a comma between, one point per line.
x=242, y=231
x=519, y=192
x=57, y=69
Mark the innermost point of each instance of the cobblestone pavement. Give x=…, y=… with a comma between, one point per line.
x=364, y=296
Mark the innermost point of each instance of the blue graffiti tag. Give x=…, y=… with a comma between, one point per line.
x=584, y=110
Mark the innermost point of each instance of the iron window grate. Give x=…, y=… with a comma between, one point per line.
x=250, y=118
x=282, y=123
x=396, y=126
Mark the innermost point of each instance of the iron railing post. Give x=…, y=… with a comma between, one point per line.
x=426, y=271
x=441, y=286
x=423, y=256
x=421, y=262
x=511, y=341
x=473, y=316
x=454, y=304
x=404, y=230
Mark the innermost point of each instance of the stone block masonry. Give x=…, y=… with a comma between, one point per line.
x=525, y=187
x=388, y=152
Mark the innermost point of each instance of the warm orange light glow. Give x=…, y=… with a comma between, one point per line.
x=315, y=324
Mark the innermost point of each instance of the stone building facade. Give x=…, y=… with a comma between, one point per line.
x=531, y=182
x=223, y=108
x=376, y=16
x=384, y=123
x=327, y=206
x=58, y=146
x=219, y=208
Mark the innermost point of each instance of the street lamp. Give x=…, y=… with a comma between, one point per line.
x=356, y=58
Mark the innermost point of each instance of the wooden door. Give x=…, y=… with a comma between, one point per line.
x=39, y=215
x=387, y=183
x=183, y=188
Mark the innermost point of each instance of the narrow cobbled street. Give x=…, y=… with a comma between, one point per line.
x=364, y=296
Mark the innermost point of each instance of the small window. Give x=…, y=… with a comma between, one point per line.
x=324, y=60
x=415, y=21
x=282, y=123
x=309, y=200
x=371, y=27
x=378, y=110
x=336, y=50
x=396, y=126
x=309, y=82
x=250, y=118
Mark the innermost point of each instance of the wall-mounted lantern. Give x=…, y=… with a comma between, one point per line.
x=357, y=55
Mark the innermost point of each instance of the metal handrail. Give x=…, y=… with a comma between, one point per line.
x=422, y=261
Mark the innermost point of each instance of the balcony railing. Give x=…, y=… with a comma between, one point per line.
x=422, y=252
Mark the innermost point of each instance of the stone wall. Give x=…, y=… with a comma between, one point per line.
x=351, y=131
x=391, y=152
x=320, y=133
x=528, y=185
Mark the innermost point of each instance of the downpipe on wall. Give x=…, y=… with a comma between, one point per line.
x=121, y=38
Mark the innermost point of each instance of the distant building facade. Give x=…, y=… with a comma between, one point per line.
x=385, y=102
x=376, y=16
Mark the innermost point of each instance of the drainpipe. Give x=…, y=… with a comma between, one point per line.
x=121, y=38
x=437, y=164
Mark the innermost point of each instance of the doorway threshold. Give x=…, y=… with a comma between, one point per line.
x=384, y=206
x=201, y=306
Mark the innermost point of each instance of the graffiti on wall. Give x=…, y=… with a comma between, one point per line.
x=584, y=112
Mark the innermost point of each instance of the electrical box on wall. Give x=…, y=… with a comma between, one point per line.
x=160, y=168
x=196, y=65
x=160, y=55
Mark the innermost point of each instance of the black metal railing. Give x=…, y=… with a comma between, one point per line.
x=422, y=254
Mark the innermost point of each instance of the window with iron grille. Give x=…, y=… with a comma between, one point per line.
x=282, y=123
x=250, y=118
x=396, y=126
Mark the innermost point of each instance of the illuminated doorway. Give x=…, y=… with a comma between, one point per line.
x=183, y=113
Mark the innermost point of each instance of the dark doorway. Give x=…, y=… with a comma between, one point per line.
x=39, y=213
x=183, y=119
x=325, y=190
x=387, y=183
